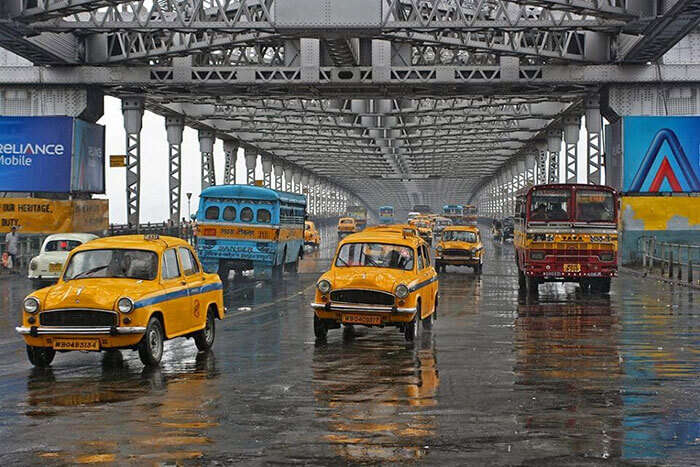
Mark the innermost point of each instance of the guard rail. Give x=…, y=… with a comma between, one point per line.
x=680, y=261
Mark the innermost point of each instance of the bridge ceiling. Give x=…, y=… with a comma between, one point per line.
x=402, y=101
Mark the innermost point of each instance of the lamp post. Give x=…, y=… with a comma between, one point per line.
x=189, y=206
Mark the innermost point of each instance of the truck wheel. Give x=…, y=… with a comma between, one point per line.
x=40, y=357
x=204, y=339
x=151, y=345
x=320, y=329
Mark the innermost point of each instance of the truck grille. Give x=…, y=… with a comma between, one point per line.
x=465, y=253
x=369, y=297
x=78, y=318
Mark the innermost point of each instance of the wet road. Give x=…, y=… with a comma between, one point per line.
x=501, y=379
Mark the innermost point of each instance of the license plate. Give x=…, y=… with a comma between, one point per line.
x=572, y=268
x=76, y=344
x=55, y=267
x=362, y=319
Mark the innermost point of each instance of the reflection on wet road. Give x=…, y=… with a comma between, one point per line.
x=501, y=379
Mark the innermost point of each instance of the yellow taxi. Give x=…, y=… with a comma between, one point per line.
x=378, y=278
x=127, y=292
x=424, y=228
x=311, y=235
x=346, y=225
x=460, y=245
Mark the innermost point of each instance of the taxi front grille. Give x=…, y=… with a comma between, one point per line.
x=369, y=297
x=465, y=253
x=78, y=318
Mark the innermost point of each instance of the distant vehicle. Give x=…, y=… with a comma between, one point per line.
x=470, y=214
x=244, y=227
x=379, y=277
x=46, y=267
x=454, y=212
x=422, y=208
x=460, y=245
x=413, y=214
x=440, y=224
x=386, y=215
x=424, y=228
x=507, y=228
x=126, y=292
x=359, y=214
x=311, y=235
x=346, y=226
x=566, y=233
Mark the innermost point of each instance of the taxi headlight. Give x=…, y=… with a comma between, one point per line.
x=125, y=305
x=31, y=305
x=401, y=291
x=33, y=265
x=324, y=286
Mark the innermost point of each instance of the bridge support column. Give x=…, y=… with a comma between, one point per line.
x=541, y=162
x=531, y=168
x=231, y=154
x=174, y=126
x=296, y=176
x=132, y=109
x=206, y=147
x=251, y=159
x=554, y=148
x=594, y=147
x=305, y=183
x=572, y=129
x=267, y=170
x=288, y=179
x=279, y=173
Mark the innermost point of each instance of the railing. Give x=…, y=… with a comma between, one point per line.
x=672, y=260
x=183, y=231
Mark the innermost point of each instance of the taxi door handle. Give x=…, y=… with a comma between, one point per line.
x=183, y=282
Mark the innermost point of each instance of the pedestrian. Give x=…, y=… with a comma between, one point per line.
x=12, y=242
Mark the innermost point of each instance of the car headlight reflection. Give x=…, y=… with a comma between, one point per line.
x=31, y=305
x=324, y=286
x=401, y=291
x=125, y=305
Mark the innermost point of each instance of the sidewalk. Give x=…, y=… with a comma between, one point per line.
x=638, y=271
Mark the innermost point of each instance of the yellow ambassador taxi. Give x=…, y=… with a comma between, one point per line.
x=128, y=292
x=424, y=228
x=379, y=277
x=346, y=226
x=311, y=235
x=460, y=245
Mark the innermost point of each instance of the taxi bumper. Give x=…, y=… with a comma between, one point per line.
x=350, y=307
x=79, y=330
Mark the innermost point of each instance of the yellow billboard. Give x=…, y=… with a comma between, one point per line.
x=36, y=215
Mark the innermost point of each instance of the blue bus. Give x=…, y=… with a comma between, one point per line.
x=244, y=227
x=454, y=212
x=386, y=215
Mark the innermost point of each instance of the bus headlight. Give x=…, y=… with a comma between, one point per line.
x=324, y=286
x=125, y=305
x=401, y=291
x=31, y=305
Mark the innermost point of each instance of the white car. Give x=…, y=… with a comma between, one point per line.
x=47, y=267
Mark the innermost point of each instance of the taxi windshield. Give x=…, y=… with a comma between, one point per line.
x=550, y=205
x=459, y=236
x=380, y=255
x=595, y=206
x=113, y=263
x=422, y=225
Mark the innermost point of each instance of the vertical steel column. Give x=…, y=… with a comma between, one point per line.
x=279, y=172
x=267, y=170
x=288, y=179
x=174, y=127
x=231, y=153
x=554, y=148
x=305, y=183
x=251, y=159
x=541, y=162
x=132, y=109
x=572, y=129
x=206, y=147
x=594, y=126
x=296, y=176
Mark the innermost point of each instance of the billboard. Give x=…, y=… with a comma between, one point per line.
x=51, y=154
x=36, y=215
x=661, y=154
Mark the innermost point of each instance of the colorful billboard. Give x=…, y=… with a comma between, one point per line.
x=51, y=154
x=36, y=215
x=661, y=154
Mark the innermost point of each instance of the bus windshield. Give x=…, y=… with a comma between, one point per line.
x=379, y=255
x=550, y=205
x=386, y=212
x=595, y=206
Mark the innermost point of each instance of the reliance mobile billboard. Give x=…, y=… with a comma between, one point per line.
x=51, y=154
x=661, y=154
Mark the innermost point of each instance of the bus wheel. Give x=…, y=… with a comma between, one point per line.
x=531, y=284
x=277, y=272
x=601, y=285
x=521, y=279
x=224, y=271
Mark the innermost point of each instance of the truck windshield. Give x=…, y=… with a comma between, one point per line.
x=113, y=263
x=379, y=255
x=595, y=206
x=550, y=205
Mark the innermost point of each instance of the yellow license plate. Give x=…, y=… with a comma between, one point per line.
x=55, y=267
x=76, y=344
x=572, y=268
x=362, y=319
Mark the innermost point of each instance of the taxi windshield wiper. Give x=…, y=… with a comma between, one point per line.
x=344, y=262
x=369, y=258
x=89, y=271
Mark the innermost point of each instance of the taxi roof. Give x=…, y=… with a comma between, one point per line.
x=132, y=241
x=467, y=228
x=379, y=236
x=346, y=218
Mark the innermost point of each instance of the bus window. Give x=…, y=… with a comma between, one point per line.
x=595, y=206
x=264, y=216
x=246, y=215
x=550, y=205
x=212, y=213
x=229, y=213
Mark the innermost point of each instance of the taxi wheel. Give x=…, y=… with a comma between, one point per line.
x=204, y=339
x=151, y=345
x=320, y=329
x=40, y=356
x=428, y=321
x=410, y=330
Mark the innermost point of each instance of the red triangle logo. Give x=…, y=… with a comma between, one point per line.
x=665, y=172
x=29, y=149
